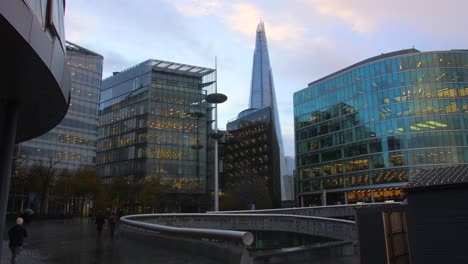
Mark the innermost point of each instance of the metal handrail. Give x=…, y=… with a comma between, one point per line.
x=246, y=238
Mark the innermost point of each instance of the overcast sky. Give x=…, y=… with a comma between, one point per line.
x=307, y=39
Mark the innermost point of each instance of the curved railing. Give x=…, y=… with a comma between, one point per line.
x=221, y=226
x=329, y=211
x=246, y=238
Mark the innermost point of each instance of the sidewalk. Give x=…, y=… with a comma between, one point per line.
x=76, y=241
x=26, y=256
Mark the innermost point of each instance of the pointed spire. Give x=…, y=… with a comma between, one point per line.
x=261, y=89
x=260, y=26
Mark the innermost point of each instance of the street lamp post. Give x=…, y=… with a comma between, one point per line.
x=216, y=98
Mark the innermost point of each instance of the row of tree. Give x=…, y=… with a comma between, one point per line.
x=43, y=187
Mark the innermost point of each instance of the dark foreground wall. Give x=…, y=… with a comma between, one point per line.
x=371, y=233
x=438, y=226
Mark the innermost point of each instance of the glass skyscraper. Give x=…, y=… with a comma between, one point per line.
x=364, y=131
x=154, y=121
x=73, y=141
x=254, y=142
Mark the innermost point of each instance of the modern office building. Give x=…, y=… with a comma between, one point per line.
x=251, y=155
x=288, y=179
x=364, y=131
x=254, y=142
x=154, y=122
x=35, y=82
x=73, y=141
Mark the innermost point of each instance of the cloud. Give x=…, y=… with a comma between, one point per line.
x=243, y=18
x=197, y=7
x=345, y=12
x=81, y=26
x=370, y=16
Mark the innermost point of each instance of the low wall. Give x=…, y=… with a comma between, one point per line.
x=213, y=235
x=222, y=252
x=343, y=230
x=331, y=253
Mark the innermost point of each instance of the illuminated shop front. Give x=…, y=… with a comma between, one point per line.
x=364, y=131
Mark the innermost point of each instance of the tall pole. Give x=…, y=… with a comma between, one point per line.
x=216, y=184
x=8, y=122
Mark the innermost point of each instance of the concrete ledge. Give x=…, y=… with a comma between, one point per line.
x=324, y=252
x=213, y=235
x=222, y=252
x=318, y=226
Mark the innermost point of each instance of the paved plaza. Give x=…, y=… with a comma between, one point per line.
x=76, y=242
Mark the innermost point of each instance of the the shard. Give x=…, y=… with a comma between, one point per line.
x=254, y=149
x=262, y=94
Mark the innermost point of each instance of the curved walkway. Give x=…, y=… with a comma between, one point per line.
x=76, y=241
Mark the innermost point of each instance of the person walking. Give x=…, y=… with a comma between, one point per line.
x=100, y=220
x=16, y=234
x=112, y=220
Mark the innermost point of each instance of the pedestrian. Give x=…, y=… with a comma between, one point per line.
x=100, y=220
x=16, y=234
x=112, y=220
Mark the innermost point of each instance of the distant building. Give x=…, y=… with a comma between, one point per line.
x=364, y=131
x=288, y=179
x=73, y=141
x=154, y=123
x=254, y=142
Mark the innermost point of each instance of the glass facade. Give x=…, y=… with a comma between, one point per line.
x=252, y=153
x=50, y=13
x=73, y=141
x=153, y=121
x=262, y=99
x=363, y=132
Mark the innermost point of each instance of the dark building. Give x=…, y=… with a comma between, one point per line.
x=36, y=82
x=437, y=215
x=430, y=226
x=251, y=155
x=363, y=132
x=154, y=122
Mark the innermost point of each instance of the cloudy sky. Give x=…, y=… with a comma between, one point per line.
x=307, y=39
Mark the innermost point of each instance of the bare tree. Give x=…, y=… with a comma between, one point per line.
x=43, y=178
x=18, y=177
x=87, y=185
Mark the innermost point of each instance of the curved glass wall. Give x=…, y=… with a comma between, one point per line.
x=73, y=141
x=363, y=132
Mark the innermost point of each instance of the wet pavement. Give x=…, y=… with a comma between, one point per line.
x=76, y=241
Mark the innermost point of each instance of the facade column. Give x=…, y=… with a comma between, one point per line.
x=8, y=124
x=345, y=197
x=324, y=197
x=372, y=195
